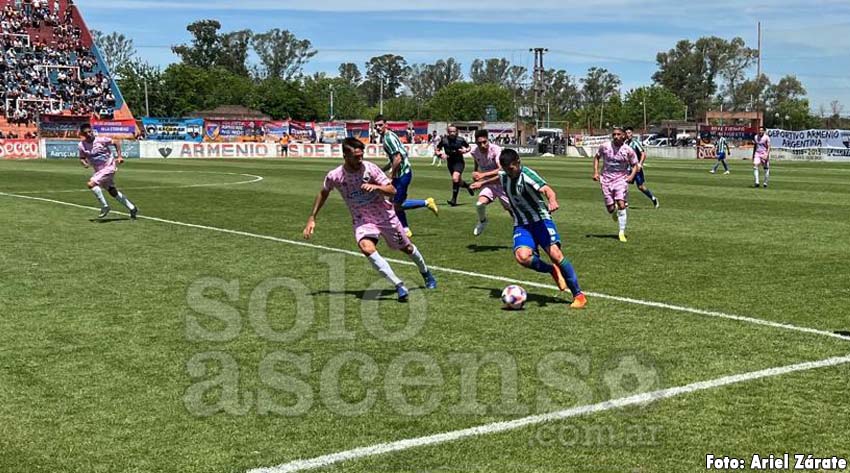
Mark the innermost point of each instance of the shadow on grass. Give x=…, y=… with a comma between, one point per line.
x=593, y=235
x=539, y=300
x=486, y=248
x=109, y=220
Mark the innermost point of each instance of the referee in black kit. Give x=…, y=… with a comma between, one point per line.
x=452, y=148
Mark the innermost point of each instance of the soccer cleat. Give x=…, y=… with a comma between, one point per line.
x=559, y=278
x=479, y=228
x=430, y=280
x=579, y=302
x=104, y=211
x=765, y=186
x=655, y=202
x=133, y=213
x=712, y=171
x=727, y=172
x=408, y=232
x=622, y=237
x=756, y=185
x=403, y=293
x=451, y=203
x=432, y=206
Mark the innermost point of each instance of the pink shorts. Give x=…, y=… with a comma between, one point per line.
x=391, y=230
x=104, y=177
x=496, y=193
x=759, y=160
x=614, y=191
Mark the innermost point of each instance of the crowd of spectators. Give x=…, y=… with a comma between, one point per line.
x=46, y=65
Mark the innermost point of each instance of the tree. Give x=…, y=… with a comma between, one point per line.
x=661, y=104
x=424, y=80
x=281, y=53
x=389, y=69
x=562, y=92
x=132, y=79
x=234, y=51
x=692, y=69
x=349, y=72
x=280, y=99
x=206, y=47
x=116, y=49
x=468, y=101
x=497, y=71
x=348, y=103
x=599, y=86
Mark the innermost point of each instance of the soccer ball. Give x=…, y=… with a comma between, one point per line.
x=514, y=297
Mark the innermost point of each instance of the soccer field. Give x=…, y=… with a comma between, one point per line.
x=206, y=337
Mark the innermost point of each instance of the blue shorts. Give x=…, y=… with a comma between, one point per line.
x=543, y=233
x=401, y=185
x=640, y=178
x=721, y=156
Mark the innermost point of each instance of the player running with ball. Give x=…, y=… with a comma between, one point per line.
x=365, y=189
x=532, y=202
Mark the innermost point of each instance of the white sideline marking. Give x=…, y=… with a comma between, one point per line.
x=187, y=186
x=305, y=244
x=496, y=427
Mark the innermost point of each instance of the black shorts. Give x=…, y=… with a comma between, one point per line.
x=455, y=165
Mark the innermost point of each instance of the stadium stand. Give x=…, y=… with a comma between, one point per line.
x=51, y=66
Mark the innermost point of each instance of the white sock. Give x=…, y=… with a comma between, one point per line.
x=98, y=192
x=756, y=174
x=766, y=175
x=482, y=211
x=382, y=267
x=417, y=258
x=622, y=218
x=124, y=201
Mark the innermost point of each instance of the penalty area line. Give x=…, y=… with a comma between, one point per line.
x=304, y=244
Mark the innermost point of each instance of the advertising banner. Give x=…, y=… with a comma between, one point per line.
x=19, y=149
x=421, y=131
x=523, y=151
x=400, y=129
x=60, y=126
x=331, y=132
x=222, y=131
x=186, y=149
x=729, y=132
x=809, y=139
x=115, y=128
x=67, y=149
x=173, y=129
x=372, y=151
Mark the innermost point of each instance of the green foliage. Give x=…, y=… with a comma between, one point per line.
x=466, y=101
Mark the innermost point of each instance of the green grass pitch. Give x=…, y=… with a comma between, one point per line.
x=149, y=346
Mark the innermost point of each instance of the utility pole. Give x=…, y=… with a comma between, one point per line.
x=758, y=67
x=539, y=87
x=332, y=102
x=644, y=110
x=382, y=97
x=147, y=103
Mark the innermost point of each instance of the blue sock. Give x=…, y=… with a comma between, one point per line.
x=571, y=276
x=402, y=217
x=538, y=265
x=413, y=204
x=648, y=193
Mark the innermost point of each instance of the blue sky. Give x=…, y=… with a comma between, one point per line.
x=809, y=39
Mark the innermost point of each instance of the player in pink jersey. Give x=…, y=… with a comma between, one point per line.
x=486, y=175
x=365, y=189
x=619, y=166
x=761, y=156
x=96, y=152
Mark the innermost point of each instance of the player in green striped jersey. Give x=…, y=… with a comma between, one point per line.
x=640, y=179
x=401, y=174
x=532, y=202
x=722, y=150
